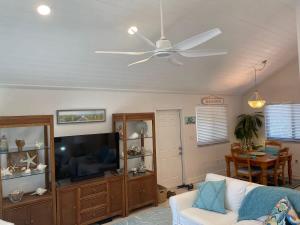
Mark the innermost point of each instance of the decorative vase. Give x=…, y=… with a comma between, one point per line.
x=20, y=144
x=3, y=144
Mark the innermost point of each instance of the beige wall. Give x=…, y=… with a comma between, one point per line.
x=298, y=26
x=282, y=87
x=197, y=160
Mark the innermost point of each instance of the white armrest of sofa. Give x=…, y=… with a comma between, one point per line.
x=181, y=202
x=2, y=222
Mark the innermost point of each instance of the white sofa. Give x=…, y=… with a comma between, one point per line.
x=2, y=222
x=184, y=214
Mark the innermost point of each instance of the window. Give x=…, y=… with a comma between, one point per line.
x=211, y=124
x=282, y=121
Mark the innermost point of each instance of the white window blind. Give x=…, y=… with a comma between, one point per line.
x=211, y=124
x=282, y=122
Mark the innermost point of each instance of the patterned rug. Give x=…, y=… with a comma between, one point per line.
x=155, y=216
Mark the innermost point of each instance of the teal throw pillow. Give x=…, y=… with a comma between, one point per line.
x=211, y=196
x=272, y=151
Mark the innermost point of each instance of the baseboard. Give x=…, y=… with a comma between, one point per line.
x=201, y=177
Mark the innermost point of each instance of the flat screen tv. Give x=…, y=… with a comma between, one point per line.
x=86, y=156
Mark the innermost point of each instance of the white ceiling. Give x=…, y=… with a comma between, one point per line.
x=57, y=51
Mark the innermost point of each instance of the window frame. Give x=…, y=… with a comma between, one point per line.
x=217, y=142
x=293, y=123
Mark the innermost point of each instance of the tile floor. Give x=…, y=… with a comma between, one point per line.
x=165, y=204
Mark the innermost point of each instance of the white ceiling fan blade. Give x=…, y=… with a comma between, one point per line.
x=141, y=61
x=202, y=53
x=123, y=53
x=198, y=39
x=148, y=41
x=175, y=61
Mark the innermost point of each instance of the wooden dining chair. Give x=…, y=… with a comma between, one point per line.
x=278, y=171
x=242, y=167
x=272, y=143
x=236, y=145
x=284, y=151
x=272, y=147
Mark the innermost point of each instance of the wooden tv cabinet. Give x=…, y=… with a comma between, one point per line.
x=90, y=201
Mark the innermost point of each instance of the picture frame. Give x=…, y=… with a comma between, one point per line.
x=188, y=120
x=80, y=116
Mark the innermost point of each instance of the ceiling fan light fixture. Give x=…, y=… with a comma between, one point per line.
x=132, y=30
x=44, y=10
x=256, y=101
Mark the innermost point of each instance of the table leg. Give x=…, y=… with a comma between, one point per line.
x=228, y=172
x=264, y=174
x=290, y=171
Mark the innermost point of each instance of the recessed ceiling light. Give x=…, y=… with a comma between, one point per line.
x=44, y=10
x=132, y=30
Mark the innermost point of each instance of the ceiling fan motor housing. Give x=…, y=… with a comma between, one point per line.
x=163, y=44
x=163, y=48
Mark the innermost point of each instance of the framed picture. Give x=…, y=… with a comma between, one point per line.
x=80, y=116
x=190, y=120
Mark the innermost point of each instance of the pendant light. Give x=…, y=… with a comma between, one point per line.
x=256, y=101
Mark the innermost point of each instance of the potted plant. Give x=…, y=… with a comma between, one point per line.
x=247, y=128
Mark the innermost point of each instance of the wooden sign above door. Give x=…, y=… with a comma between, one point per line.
x=212, y=100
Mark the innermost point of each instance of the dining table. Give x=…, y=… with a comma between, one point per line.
x=264, y=162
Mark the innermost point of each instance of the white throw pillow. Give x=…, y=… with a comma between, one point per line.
x=235, y=191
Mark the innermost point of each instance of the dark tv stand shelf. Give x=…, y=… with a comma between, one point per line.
x=89, y=201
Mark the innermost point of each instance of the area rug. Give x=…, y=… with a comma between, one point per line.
x=155, y=216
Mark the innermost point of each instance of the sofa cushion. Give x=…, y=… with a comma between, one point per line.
x=195, y=216
x=252, y=186
x=235, y=191
x=250, y=222
x=211, y=196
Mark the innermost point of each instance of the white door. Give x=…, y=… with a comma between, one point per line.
x=169, y=148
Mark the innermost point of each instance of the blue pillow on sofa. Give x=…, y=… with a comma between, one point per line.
x=211, y=196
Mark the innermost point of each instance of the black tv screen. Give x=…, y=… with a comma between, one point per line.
x=86, y=156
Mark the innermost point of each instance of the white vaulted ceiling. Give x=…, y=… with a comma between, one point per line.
x=58, y=50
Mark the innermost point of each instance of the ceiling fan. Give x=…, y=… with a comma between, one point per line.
x=164, y=48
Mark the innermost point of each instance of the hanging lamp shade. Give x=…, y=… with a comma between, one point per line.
x=256, y=101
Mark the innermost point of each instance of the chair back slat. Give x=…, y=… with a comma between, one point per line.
x=272, y=143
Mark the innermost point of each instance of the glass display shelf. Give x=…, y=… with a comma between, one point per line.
x=138, y=175
x=16, y=175
x=27, y=199
x=132, y=139
x=25, y=149
x=146, y=154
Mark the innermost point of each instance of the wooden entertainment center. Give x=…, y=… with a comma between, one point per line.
x=89, y=201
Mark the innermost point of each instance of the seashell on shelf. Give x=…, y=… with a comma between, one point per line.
x=6, y=172
x=27, y=171
x=41, y=167
x=39, y=191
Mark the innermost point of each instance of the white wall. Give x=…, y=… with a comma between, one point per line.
x=298, y=26
x=282, y=87
x=197, y=161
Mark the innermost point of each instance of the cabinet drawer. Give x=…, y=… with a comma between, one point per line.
x=93, y=214
x=92, y=189
x=91, y=202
